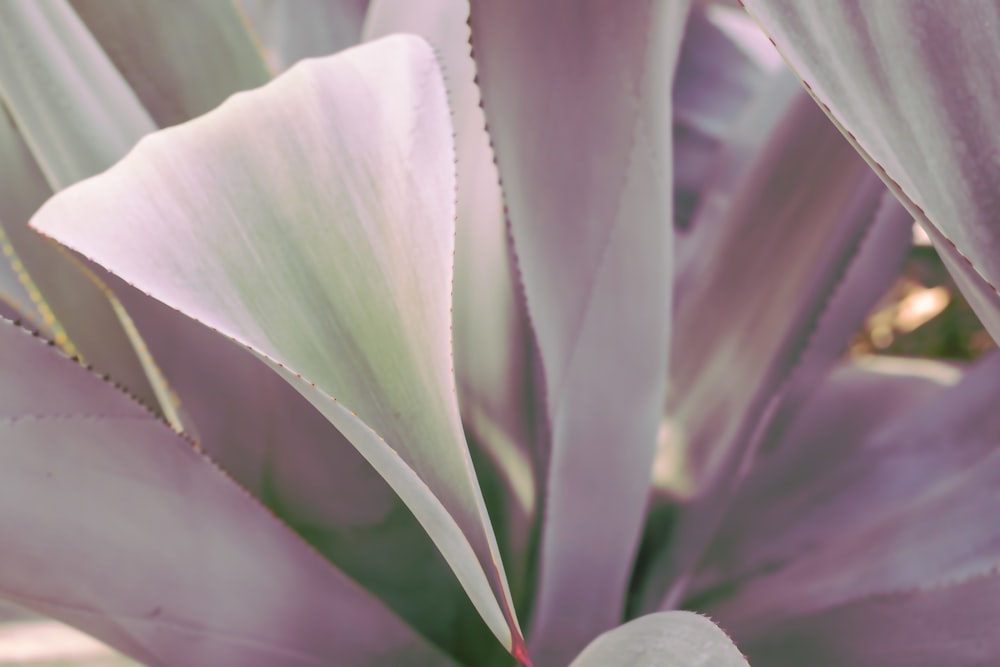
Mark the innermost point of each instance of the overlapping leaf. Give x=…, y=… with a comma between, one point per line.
x=493, y=344
x=58, y=86
x=954, y=626
x=180, y=59
x=261, y=431
x=922, y=116
x=780, y=239
x=359, y=233
x=114, y=523
x=83, y=309
x=577, y=101
x=850, y=406
x=909, y=509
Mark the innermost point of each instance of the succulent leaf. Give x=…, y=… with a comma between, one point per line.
x=921, y=116
x=180, y=59
x=191, y=570
x=333, y=265
x=577, y=102
x=664, y=638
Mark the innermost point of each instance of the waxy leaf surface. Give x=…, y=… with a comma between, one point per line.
x=312, y=220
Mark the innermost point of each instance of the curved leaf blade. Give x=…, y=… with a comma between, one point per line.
x=492, y=340
x=262, y=432
x=922, y=117
x=379, y=197
x=116, y=524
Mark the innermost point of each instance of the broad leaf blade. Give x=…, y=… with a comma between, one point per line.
x=922, y=117
x=577, y=101
x=328, y=254
x=115, y=523
x=180, y=59
x=676, y=638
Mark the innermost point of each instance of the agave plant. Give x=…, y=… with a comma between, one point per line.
x=506, y=315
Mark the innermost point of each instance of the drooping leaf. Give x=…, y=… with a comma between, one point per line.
x=291, y=31
x=180, y=59
x=114, y=523
x=921, y=116
x=666, y=638
x=492, y=341
x=329, y=255
x=577, y=102
x=789, y=229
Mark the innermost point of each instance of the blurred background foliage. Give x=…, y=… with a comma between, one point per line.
x=923, y=314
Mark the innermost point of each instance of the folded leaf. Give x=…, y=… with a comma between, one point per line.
x=676, y=638
x=493, y=345
x=114, y=523
x=328, y=254
x=577, y=101
x=264, y=434
x=922, y=116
